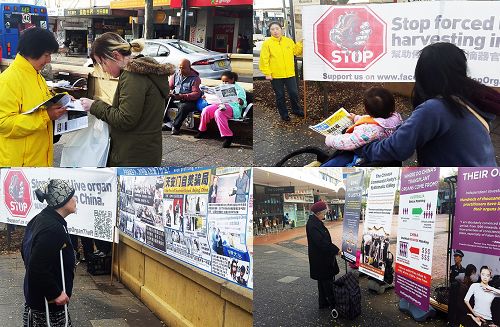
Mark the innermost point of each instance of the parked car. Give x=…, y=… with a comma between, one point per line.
x=209, y=64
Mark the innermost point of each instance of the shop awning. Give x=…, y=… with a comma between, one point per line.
x=211, y=3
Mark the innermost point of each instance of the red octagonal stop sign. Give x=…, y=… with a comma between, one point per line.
x=349, y=38
x=17, y=193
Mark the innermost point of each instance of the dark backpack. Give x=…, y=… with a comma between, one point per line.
x=347, y=295
x=389, y=270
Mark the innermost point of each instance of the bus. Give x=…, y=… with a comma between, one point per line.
x=15, y=18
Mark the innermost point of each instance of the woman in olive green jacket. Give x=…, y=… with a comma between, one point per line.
x=136, y=115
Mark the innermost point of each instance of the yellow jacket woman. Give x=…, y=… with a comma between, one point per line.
x=27, y=139
x=277, y=63
x=276, y=57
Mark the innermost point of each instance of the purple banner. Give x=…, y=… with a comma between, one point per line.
x=415, y=179
x=477, y=212
x=413, y=292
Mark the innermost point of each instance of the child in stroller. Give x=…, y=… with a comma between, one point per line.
x=380, y=122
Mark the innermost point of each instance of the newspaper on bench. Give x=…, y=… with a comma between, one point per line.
x=335, y=124
x=225, y=93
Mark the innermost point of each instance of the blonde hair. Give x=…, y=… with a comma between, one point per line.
x=105, y=44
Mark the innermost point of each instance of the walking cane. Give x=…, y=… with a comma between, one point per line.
x=64, y=289
x=166, y=108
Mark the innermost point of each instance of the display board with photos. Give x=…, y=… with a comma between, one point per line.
x=199, y=215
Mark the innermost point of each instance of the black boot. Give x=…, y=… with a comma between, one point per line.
x=227, y=141
x=200, y=135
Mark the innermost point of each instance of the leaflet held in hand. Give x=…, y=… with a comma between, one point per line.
x=73, y=119
x=225, y=93
x=335, y=124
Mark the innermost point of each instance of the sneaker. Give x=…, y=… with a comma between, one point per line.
x=200, y=135
x=175, y=131
x=167, y=126
x=100, y=254
x=285, y=118
x=227, y=141
x=298, y=113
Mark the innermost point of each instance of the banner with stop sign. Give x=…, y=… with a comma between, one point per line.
x=381, y=42
x=95, y=190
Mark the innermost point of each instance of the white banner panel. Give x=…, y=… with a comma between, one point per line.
x=95, y=190
x=378, y=222
x=381, y=42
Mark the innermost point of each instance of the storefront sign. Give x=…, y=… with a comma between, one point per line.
x=279, y=190
x=378, y=221
x=95, y=190
x=88, y=12
x=352, y=209
x=136, y=4
x=381, y=43
x=201, y=223
x=299, y=197
x=415, y=239
x=211, y=3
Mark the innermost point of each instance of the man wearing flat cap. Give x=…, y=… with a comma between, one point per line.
x=45, y=236
x=322, y=254
x=457, y=268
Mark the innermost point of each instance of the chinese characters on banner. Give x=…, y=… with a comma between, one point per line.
x=475, y=265
x=201, y=216
x=381, y=43
x=415, y=239
x=352, y=209
x=95, y=190
x=378, y=221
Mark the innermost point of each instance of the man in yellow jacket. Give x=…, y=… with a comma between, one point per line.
x=277, y=63
x=27, y=140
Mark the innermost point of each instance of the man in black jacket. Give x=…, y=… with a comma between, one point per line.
x=45, y=235
x=322, y=261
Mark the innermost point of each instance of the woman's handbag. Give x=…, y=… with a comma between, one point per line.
x=88, y=147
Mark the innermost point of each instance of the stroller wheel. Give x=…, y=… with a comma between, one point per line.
x=334, y=314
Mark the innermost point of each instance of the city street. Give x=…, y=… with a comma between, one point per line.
x=95, y=303
x=286, y=296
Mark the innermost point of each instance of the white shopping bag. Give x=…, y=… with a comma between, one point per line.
x=88, y=147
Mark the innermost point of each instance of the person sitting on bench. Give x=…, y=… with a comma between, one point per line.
x=223, y=112
x=185, y=87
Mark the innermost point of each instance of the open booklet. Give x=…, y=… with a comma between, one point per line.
x=224, y=93
x=335, y=124
x=73, y=119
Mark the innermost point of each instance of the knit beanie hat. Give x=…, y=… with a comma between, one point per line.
x=318, y=207
x=56, y=192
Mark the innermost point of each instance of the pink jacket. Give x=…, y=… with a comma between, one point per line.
x=365, y=133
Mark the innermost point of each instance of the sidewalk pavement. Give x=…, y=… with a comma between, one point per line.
x=185, y=150
x=286, y=296
x=95, y=303
x=274, y=138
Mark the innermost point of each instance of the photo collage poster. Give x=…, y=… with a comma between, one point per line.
x=197, y=215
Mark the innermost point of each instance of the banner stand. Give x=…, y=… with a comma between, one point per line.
x=305, y=100
x=112, y=255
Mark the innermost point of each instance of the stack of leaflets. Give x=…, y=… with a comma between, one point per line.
x=225, y=93
x=335, y=124
x=73, y=119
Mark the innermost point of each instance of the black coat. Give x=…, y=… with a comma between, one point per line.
x=322, y=252
x=44, y=236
